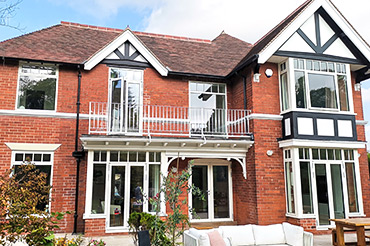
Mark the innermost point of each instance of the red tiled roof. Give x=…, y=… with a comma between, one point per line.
x=76, y=43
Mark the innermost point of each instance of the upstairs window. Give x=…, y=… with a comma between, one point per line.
x=321, y=85
x=37, y=87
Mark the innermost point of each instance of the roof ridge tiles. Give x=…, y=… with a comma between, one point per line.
x=109, y=29
x=65, y=23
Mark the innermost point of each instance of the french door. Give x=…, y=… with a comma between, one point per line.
x=125, y=107
x=215, y=182
x=126, y=188
x=329, y=187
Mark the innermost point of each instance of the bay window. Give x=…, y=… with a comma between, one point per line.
x=317, y=85
x=322, y=183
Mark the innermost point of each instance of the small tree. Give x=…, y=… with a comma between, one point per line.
x=7, y=11
x=173, y=186
x=22, y=190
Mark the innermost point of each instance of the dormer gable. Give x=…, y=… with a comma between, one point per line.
x=318, y=31
x=126, y=49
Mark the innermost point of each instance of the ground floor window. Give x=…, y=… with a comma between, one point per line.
x=326, y=181
x=214, y=179
x=120, y=182
x=43, y=162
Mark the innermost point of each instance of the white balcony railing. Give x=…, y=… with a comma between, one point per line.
x=153, y=120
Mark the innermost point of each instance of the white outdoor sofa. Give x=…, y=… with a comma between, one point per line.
x=271, y=235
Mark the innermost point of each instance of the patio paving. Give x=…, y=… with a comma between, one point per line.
x=318, y=240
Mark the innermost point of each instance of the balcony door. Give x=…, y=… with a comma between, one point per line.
x=207, y=108
x=125, y=97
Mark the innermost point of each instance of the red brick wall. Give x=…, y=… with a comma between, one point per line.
x=363, y=161
x=8, y=85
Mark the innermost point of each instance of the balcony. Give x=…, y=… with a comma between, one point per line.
x=154, y=120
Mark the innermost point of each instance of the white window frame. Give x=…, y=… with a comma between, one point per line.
x=291, y=82
x=56, y=76
x=290, y=87
x=298, y=192
x=109, y=164
x=210, y=163
x=37, y=163
x=141, y=88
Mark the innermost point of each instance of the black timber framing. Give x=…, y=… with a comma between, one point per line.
x=294, y=115
x=320, y=49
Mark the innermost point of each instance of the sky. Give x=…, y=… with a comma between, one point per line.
x=248, y=20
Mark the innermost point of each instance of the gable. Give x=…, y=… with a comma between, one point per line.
x=318, y=32
x=126, y=49
x=128, y=55
x=320, y=36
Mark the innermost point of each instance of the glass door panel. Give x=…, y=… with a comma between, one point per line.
x=221, y=192
x=322, y=194
x=136, y=189
x=351, y=188
x=337, y=187
x=116, y=210
x=200, y=180
x=116, y=105
x=133, y=107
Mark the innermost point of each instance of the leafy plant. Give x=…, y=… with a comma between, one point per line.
x=22, y=190
x=94, y=242
x=173, y=186
x=145, y=221
x=64, y=241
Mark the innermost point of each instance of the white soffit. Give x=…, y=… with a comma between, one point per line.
x=127, y=35
x=321, y=144
x=303, y=17
x=32, y=147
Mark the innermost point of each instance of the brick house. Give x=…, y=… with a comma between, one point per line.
x=275, y=129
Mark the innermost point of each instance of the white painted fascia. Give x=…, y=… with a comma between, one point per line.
x=32, y=147
x=273, y=46
x=127, y=35
x=265, y=117
x=321, y=144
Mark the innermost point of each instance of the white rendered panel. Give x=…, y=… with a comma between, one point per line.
x=287, y=127
x=112, y=56
x=325, y=127
x=325, y=31
x=122, y=49
x=131, y=50
x=338, y=48
x=345, y=128
x=305, y=126
x=309, y=29
x=140, y=58
x=296, y=43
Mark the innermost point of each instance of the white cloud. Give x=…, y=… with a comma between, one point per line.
x=246, y=19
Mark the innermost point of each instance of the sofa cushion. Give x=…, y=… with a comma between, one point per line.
x=293, y=234
x=269, y=235
x=215, y=238
x=203, y=237
x=238, y=235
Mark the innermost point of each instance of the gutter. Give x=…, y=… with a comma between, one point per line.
x=251, y=60
x=78, y=154
x=205, y=76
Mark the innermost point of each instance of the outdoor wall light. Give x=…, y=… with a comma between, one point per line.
x=358, y=87
x=269, y=73
x=269, y=152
